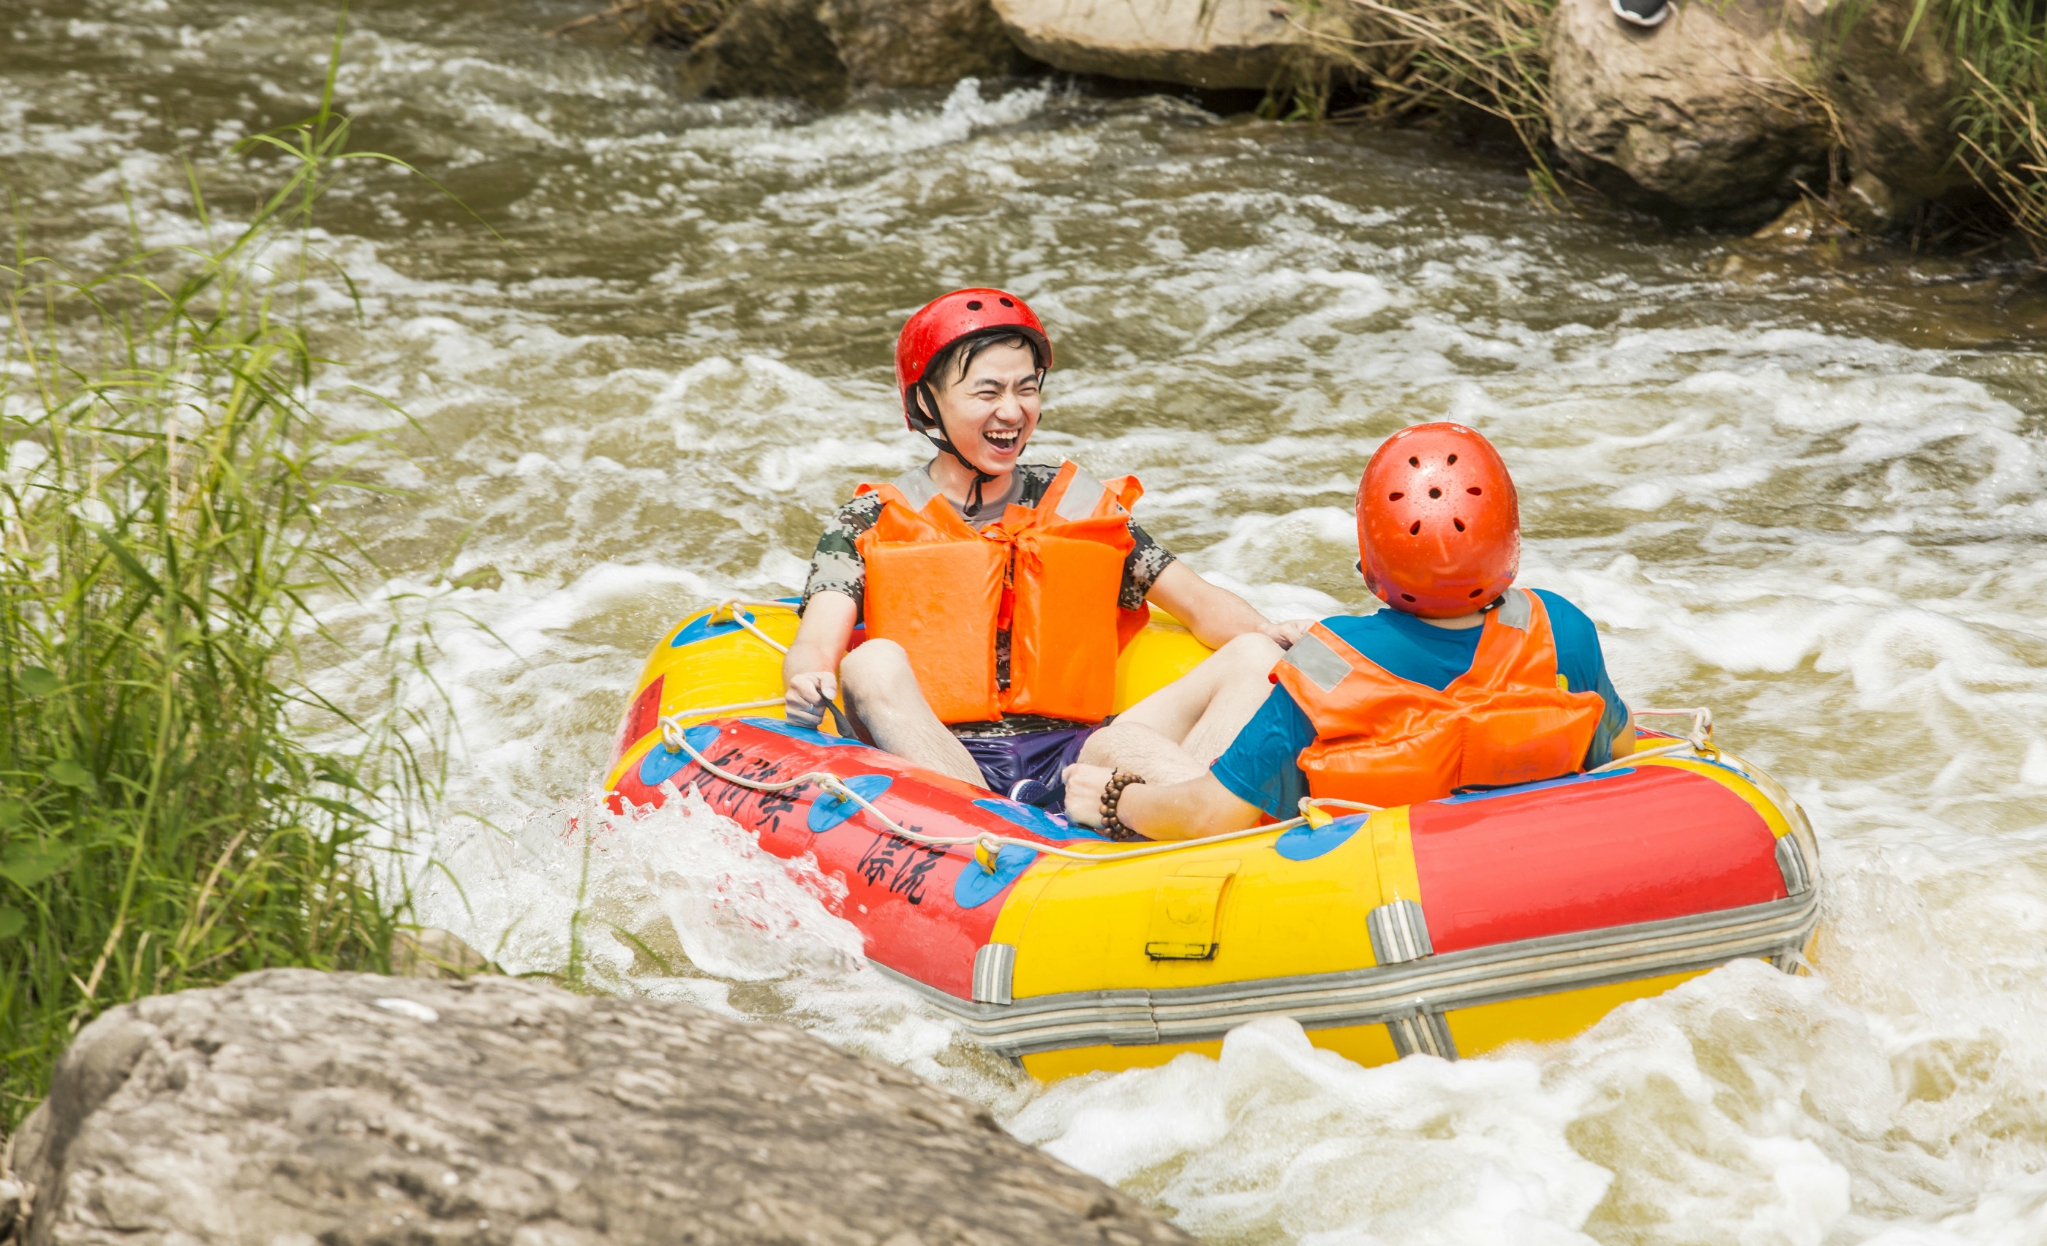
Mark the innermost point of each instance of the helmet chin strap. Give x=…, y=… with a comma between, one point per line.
x=928, y=410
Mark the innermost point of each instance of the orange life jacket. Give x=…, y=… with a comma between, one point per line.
x=1389, y=741
x=1049, y=575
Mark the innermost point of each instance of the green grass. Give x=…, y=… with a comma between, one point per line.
x=2002, y=47
x=1414, y=56
x=163, y=823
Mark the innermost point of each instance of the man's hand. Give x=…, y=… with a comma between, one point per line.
x=804, y=697
x=1285, y=634
x=1084, y=788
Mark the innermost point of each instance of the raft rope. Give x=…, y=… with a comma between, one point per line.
x=987, y=845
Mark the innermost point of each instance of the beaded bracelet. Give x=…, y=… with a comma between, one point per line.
x=1112, y=795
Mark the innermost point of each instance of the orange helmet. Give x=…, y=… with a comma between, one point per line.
x=1439, y=527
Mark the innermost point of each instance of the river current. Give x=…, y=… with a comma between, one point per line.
x=1804, y=491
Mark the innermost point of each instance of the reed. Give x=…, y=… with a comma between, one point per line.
x=2002, y=48
x=1418, y=56
x=163, y=821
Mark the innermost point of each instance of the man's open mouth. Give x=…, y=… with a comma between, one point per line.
x=1002, y=439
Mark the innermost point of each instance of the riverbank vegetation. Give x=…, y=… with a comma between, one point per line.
x=2001, y=46
x=1402, y=58
x=164, y=822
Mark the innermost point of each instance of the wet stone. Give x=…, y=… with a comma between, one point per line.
x=295, y=1106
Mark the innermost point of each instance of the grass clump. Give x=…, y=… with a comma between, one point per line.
x=1409, y=57
x=2002, y=48
x=162, y=467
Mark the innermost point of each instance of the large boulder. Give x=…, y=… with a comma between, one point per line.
x=1198, y=43
x=930, y=43
x=1705, y=118
x=769, y=47
x=291, y=1107
x=1894, y=100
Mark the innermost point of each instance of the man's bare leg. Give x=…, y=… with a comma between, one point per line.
x=882, y=692
x=1176, y=733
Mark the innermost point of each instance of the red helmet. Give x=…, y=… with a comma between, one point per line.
x=1439, y=527
x=945, y=320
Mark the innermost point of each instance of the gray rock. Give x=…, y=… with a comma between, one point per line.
x=12, y=1195
x=1198, y=43
x=1702, y=118
x=431, y=952
x=771, y=48
x=1874, y=206
x=930, y=43
x=294, y=1107
x=1895, y=104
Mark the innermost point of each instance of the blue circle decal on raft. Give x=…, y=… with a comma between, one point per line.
x=661, y=764
x=1305, y=843
x=1036, y=820
x=808, y=735
x=827, y=812
x=977, y=886
x=703, y=629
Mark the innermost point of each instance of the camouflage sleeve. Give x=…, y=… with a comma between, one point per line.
x=837, y=564
x=1141, y=569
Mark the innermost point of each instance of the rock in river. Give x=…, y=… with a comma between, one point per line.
x=1702, y=118
x=1895, y=97
x=294, y=1107
x=931, y=43
x=1198, y=43
x=769, y=47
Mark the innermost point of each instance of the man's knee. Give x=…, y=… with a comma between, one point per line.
x=878, y=677
x=874, y=667
x=1099, y=749
x=1251, y=654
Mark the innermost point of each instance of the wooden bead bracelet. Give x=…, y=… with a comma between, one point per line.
x=1112, y=795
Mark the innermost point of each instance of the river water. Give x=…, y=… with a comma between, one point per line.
x=1804, y=490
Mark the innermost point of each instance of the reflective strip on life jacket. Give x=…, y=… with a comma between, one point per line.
x=943, y=591
x=1389, y=741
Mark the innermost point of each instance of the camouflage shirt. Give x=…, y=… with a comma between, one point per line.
x=837, y=564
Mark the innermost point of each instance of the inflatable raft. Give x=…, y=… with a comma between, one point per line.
x=1449, y=928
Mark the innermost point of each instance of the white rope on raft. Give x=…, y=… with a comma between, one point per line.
x=987, y=844
x=1699, y=739
x=730, y=606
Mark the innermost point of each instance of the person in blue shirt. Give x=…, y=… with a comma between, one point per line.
x=1463, y=681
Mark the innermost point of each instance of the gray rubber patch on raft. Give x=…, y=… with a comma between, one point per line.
x=1315, y=659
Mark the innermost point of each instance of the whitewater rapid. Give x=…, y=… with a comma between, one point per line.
x=1811, y=499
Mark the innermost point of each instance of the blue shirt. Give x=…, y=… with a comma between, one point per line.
x=1261, y=765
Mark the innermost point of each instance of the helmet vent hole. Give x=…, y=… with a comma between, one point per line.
x=1459, y=523
x=1474, y=491
x=1006, y=303
x=974, y=305
x=1452, y=460
x=1407, y=597
x=1416, y=530
x=1435, y=493
x=1395, y=497
x=1413, y=461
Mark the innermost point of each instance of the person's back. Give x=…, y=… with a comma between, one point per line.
x=1463, y=682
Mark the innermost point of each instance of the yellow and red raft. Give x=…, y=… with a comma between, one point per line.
x=1450, y=928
